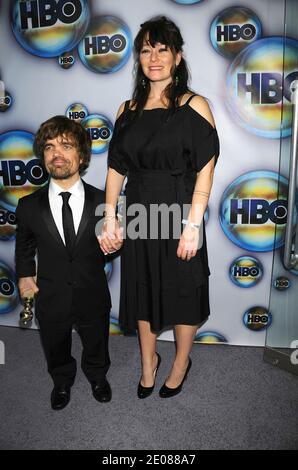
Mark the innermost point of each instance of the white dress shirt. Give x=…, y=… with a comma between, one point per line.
x=76, y=202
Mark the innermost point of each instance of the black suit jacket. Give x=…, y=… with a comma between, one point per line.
x=70, y=285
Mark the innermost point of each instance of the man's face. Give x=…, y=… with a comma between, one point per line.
x=61, y=157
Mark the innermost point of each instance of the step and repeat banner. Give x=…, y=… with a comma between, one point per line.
x=74, y=57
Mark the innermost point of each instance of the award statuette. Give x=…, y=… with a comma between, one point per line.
x=26, y=315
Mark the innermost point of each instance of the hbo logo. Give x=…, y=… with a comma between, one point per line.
x=99, y=134
x=6, y=100
x=282, y=283
x=245, y=272
x=6, y=287
x=258, y=211
x=265, y=88
x=17, y=172
x=103, y=44
x=234, y=32
x=44, y=13
x=7, y=217
x=254, y=318
x=76, y=115
x=66, y=60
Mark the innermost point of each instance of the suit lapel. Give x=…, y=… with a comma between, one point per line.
x=49, y=220
x=48, y=217
x=87, y=212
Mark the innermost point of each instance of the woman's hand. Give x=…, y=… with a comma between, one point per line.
x=111, y=238
x=188, y=243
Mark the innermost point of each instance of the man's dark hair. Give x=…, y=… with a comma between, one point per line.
x=61, y=126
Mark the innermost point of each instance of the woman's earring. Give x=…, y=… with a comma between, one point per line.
x=176, y=80
x=143, y=83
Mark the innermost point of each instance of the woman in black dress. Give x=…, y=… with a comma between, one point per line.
x=165, y=142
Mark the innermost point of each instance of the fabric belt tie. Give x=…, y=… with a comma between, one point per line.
x=183, y=178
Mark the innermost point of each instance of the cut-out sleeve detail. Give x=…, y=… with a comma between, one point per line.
x=115, y=158
x=205, y=142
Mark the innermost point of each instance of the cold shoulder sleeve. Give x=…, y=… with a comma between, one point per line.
x=115, y=158
x=204, y=141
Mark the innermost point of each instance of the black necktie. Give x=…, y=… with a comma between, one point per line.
x=67, y=221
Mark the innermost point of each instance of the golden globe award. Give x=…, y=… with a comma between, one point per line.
x=26, y=315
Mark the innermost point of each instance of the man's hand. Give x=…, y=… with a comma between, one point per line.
x=27, y=287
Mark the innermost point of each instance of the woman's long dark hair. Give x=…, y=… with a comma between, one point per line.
x=160, y=30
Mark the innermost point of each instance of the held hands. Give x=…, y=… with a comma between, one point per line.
x=27, y=287
x=111, y=238
x=188, y=243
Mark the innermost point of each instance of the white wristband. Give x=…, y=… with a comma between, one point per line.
x=191, y=224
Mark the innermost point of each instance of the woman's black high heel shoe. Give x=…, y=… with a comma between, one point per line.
x=167, y=392
x=144, y=392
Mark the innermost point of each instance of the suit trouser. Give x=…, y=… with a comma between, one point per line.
x=57, y=340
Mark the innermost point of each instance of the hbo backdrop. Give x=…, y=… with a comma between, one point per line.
x=75, y=58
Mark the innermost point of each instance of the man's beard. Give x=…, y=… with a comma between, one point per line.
x=60, y=173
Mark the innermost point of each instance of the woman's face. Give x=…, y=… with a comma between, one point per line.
x=158, y=62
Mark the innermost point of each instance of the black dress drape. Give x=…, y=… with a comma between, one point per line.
x=161, y=154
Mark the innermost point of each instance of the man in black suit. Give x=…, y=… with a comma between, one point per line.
x=57, y=223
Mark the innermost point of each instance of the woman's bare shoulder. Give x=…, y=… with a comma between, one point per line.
x=201, y=106
x=123, y=106
x=121, y=109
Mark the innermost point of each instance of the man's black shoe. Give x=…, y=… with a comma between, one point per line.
x=60, y=397
x=102, y=391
